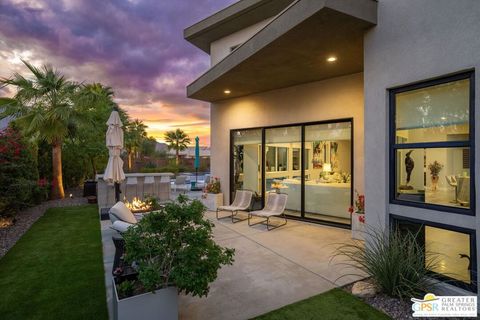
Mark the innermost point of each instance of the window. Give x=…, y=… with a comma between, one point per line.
x=451, y=250
x=431, y=144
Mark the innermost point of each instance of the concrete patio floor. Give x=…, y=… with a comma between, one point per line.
x=271, y=268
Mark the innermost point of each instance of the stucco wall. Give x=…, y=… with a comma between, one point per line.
x=414, y=40
x=336, y=98
x=220, y=48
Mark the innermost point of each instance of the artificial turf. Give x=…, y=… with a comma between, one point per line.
x=55, y=271
x=334, y=304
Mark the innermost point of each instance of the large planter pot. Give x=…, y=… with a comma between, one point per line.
x=358, y=227
x=213, y=200
x=163, y=304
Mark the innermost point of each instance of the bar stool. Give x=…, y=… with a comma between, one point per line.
x=164, y=187
x=148, y=186
x=131, y=188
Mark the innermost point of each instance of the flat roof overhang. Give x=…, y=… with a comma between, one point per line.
x=233, y=18
x=292, y=50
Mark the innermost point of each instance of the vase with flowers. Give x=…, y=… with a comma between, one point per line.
x=357, y=212
x=435, y=167
x=212, y=196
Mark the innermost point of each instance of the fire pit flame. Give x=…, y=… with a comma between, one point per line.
x=137, y=205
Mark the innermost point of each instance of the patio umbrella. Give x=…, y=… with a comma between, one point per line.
x=196, y=164
x=114, y=141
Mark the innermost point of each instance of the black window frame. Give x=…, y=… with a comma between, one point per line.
x=302, y=126
x=472, y=287
x=394, y=146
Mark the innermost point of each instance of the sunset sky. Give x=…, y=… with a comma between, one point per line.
x=134, y=46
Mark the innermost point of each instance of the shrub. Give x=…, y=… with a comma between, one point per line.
x=18, y=173
x=175, y=246
x=396, y=262
x=172, y=168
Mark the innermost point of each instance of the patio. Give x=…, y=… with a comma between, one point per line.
x=271, y=268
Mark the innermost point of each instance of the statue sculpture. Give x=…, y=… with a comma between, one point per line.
x=409, y=165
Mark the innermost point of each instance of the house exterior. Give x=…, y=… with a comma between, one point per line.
x=322, y=98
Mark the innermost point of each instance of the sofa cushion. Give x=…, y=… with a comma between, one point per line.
x=121, y=226
x=122, y=213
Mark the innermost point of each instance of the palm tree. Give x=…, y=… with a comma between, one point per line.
x=44, y=109
x=95, y=101
x=177, y=140
x=135, y=134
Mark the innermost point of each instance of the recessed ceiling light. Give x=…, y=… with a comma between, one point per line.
x=227, y=91
x=331, y=59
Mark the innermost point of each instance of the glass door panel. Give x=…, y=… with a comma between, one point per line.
x=328, y=172
x=247, y=159
x=282, y=160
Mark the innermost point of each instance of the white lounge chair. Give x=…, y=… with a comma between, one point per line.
x=275, y=207
x=181, y=184
x=242, y=201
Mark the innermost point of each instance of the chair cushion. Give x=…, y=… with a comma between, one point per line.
x=122, y=213
x=121, y=226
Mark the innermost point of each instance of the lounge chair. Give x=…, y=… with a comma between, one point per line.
x=181, y=184
x=275, y=207
x=242, y=201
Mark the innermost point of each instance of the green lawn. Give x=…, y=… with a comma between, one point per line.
x=334, y=304
x=55, y=271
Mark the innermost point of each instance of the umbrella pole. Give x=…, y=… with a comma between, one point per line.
x=117, y=191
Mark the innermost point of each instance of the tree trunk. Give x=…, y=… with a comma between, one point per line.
x=130, y=161
x=94, y=169
x=177, y=157
x=57, y=177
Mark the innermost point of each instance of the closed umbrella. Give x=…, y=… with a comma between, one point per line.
x=196, y=163
x=114, y=141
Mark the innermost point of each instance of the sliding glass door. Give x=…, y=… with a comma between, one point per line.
x=328, y=175
x=310, y=162
x=282, y=172
x=246, y=160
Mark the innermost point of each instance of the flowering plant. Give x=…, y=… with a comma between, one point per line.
x=359, y=206
x=213, y=186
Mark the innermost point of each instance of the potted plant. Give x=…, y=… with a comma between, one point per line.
x=212, y=196
x=173, y=251
x=358, y=216
x=435, y=167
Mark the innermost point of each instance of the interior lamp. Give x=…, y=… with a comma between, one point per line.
x=327, y=167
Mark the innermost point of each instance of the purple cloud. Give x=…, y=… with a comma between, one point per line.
x=135, y=46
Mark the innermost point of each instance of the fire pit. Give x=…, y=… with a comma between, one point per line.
x=137, y=205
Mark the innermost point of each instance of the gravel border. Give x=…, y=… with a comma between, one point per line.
x=393, y=307
x=26, y=218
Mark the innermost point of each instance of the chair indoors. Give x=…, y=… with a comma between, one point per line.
x=452, y=181
x=242, y=201
x=275, y=207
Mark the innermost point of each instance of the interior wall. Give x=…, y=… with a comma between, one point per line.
x=331, y=99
